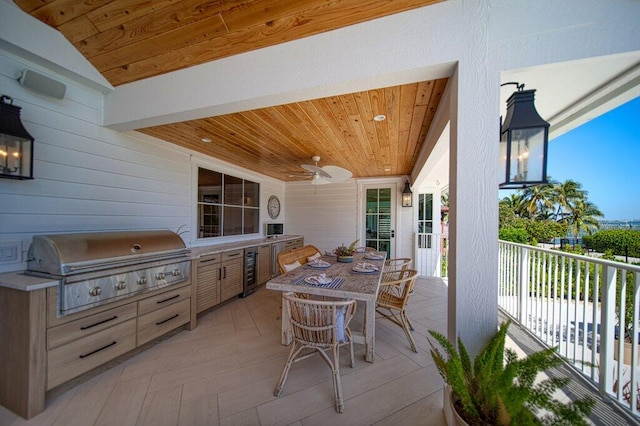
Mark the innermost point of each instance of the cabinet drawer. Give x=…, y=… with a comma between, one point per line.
x=205, y=260
x=83, y=327
x=230, y=255
x=163, y=299
x=80, y=356
x=161, y=321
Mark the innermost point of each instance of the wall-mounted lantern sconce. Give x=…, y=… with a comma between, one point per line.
x=407, y=195
x=16, y=144
x=523, y=142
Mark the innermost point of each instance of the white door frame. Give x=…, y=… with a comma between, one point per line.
x=363, y=185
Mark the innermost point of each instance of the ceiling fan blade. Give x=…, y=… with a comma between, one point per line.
x=337, y=174
x=315, y=169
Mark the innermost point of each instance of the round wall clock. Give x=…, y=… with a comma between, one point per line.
x=273, y=207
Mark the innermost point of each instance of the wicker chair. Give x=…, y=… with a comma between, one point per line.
x=299, y=254
x=400, y=263
x=321, y=326
x=395, y=289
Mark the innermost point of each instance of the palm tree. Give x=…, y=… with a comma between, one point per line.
x=538, y=199
x=515, y=202
x=581, y=216
x=565, y=195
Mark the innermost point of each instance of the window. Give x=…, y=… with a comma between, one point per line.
x=227, y=205
x=425, y=220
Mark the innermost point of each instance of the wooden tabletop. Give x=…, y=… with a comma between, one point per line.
x=356, y=285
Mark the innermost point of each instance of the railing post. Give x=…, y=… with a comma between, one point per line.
x=523, y=284
x=606, y=331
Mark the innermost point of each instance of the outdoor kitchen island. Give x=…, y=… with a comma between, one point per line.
x=43, y=352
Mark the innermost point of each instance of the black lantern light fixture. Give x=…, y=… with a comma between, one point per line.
x=523, y=142
x=16, y=144
x=407, y=195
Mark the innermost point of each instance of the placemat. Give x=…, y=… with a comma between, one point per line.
x=335, y=283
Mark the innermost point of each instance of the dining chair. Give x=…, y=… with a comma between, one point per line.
x=393, y=295
x=397, y=263
x=321, y=326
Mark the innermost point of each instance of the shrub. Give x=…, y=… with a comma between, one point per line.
x=515, y=235
x=620, y=241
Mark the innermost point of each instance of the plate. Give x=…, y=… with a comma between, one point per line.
x=363, y=270
x=374, y=256
x=311, y=281
x=319, y=265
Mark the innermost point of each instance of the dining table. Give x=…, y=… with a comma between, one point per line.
x=358, y=280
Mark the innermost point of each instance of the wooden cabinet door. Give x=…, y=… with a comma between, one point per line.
x=208, y=283
x=231, y=278
x=264, y=263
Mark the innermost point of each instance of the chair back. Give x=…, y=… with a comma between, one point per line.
x=396, y=287
x=299, y=254
x=319, y=323
x=399, y=263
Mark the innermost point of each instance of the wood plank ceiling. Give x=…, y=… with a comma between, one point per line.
x=129, y=40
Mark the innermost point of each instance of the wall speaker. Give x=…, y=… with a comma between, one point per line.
x=42, y=84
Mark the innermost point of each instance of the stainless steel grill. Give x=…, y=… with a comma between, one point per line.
x=98, y=268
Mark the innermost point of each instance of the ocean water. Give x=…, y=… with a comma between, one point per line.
x=620, y=224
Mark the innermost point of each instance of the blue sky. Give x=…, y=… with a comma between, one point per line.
x=604, y=156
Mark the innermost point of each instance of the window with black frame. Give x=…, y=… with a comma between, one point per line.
x=227, y=205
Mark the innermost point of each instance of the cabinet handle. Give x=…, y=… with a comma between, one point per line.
x=215, y=259
x=224, y=273
x=98, y=323
x=170, y=298
x=219, y=274
x=233, y=255
x=99, y=349
x=168, y=319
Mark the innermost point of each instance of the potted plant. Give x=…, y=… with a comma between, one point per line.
x=344, y=254
x=500, y=389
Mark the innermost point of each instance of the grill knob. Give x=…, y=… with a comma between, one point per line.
x=142, y=280
x=96, y=291
x=176, y=272
x=121, y=285
x=160, y=276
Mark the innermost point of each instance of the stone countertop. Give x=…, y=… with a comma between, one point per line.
x=199, y=251
x=19, y=281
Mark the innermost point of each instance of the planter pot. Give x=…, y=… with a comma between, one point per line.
x=345, y=259
x=450, y=414
x=627, y=351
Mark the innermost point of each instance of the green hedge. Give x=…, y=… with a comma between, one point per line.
x=616, y=240
x=515, y=235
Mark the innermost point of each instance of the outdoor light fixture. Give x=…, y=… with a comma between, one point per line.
x=406, y=195
x=523, y=142
x=16, y=144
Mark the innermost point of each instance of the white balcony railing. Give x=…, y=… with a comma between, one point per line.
x=578, y=304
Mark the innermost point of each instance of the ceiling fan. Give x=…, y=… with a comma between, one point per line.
x=322, y=175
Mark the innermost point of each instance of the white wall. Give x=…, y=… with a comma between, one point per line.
x=328, y=215
x=325, y=214
x=90, y=178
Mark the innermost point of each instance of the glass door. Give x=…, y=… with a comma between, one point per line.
x=379, y=219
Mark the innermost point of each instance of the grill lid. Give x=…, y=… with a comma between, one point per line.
x=65, y=254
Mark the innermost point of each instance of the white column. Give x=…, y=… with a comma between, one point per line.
x=473, y=195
